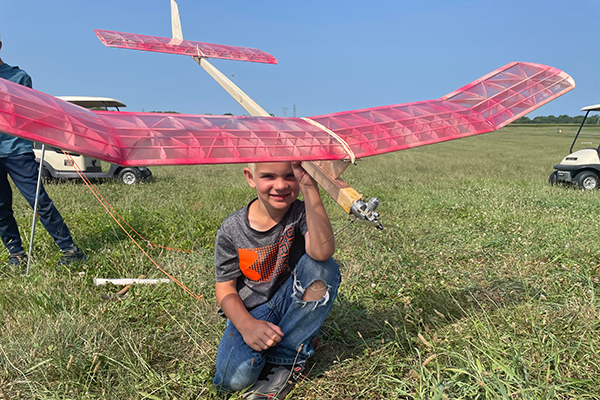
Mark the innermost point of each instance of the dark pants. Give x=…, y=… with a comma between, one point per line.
x=23, y=171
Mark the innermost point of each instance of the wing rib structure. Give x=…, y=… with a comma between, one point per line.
x=183, y=47
x=484, y=105
x=137, y=139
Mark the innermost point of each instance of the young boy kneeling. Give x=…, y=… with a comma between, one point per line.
x=275, y=281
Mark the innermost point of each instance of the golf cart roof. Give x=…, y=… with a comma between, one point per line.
x=89, y=102
x=595, y=107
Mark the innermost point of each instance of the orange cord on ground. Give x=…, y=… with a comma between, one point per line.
x=106, y=206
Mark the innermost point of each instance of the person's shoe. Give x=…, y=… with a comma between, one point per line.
x=72, y=255
x=16, y=259
x=275, y=382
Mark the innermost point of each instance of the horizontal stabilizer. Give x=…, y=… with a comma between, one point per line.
x=137, y=139
x=183, y=47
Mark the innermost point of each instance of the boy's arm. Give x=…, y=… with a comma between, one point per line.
x=319, y=242
x=259, y=335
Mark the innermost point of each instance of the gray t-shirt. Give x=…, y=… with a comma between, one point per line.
x=260, y=261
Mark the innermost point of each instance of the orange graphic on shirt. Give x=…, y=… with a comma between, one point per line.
x=264, y=263
x=247, y=258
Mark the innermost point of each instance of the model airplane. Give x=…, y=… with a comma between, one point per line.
x=325, y=144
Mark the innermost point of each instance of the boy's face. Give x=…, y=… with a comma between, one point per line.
x=275, y=183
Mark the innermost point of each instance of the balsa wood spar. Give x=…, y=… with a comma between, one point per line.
x=326, y=173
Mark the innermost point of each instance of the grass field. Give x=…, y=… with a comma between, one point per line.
x=488, y=289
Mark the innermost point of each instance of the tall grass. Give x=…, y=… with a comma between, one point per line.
x=488, y=288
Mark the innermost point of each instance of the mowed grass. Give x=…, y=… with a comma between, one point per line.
x=487, y=289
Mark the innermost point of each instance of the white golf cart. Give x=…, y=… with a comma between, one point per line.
x=56, y=165
x=581, y=167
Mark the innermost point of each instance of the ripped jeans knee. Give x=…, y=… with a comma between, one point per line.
x=316, y=282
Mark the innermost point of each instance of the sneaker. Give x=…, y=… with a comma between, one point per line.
x=72, y=255
x=15, y=259
x=276, y=382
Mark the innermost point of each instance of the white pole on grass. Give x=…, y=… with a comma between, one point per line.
x=37, y=193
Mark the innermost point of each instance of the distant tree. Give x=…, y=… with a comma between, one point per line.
x=550, y=119
x=165, y=112
x=561, y=119
x=592, y=120
x=564, y=119
x=230, y=114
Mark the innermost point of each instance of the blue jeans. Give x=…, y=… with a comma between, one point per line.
x=238, y=365
x=23, y=170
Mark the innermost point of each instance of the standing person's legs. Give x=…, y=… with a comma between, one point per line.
x=9, y=231
x=23, y=170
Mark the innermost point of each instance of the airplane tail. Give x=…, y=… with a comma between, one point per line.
x=512, y=91
x=177, y=45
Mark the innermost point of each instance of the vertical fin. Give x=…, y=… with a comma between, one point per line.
x=176, y=21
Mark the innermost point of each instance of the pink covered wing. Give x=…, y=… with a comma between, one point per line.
x=184, y=47
x=132, y=139
x=484, y=105
x=173, y=139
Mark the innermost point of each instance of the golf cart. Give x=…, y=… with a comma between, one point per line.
x=57, y=165
x=581, y=167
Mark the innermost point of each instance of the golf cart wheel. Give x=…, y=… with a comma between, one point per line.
x=129, y=176
x=45, y=173
x=588, y=180
x=553, y=179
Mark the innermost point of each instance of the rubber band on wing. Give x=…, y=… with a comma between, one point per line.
x=334, y=135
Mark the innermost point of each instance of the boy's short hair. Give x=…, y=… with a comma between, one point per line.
x=252, y=167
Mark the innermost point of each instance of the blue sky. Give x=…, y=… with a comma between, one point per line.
x=333, y=55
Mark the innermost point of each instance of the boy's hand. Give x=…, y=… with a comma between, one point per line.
x=302, y=176
x=261, y=335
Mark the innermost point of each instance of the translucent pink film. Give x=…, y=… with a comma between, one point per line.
x=172, y=139
x=184, y=47
x=482, y=106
